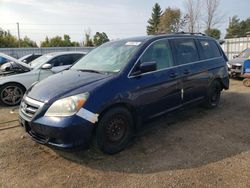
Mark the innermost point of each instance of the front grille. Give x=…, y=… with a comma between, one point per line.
x=236, y=67
x=29, y=107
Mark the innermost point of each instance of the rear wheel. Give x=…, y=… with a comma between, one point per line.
x=246, y=82
x=213, y=96
x=11, y=94
x=114, y=131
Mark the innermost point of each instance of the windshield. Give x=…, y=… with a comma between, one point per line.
x=24, y=57
x=110, y=57
x=37, y=63
x=245, y=54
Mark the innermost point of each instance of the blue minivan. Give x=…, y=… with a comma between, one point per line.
x=112, y=91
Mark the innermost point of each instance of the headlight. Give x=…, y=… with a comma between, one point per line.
x=67, y=106
x=229, y=65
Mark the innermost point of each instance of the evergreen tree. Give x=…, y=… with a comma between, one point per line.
x=234, y=28
x=215, y=33
x=154, y=21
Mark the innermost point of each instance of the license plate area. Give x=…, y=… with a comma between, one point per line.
x=24, y=124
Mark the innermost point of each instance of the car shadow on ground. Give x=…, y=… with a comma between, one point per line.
x=188, y=138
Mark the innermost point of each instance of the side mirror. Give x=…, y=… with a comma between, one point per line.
x=221, y=42
x=147, y=67
x=47, y=66
x=25, y=61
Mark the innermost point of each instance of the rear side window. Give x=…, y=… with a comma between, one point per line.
x=209, y=49
x=159, y=52
x=186, y=51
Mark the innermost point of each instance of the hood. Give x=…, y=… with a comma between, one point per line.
x=237, y=61
x=13, y=61
x=62, y=83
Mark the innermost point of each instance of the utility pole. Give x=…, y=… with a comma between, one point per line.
x=18, y=31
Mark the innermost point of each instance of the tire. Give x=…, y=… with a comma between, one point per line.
x=246, y=82
x=11, y=94
x=213, y=95
x=114, y=130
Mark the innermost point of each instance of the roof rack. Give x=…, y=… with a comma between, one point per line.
x=190, y=33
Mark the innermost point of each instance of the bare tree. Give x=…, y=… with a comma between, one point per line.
x=213, y=16
x=193, y=9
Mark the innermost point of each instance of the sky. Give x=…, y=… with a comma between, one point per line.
x=118, y=18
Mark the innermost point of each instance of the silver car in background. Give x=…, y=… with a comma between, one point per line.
x=235, y=65
x=16, y=77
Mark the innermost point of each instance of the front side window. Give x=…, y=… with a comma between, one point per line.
x=37, y=63
x=76, y=57
x=65, y=60
x=160, y=53
x=54, y=62
x=186, y=51
x=209, y=49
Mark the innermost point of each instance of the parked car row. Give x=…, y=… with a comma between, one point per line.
x=109, y=94
x=16, y=76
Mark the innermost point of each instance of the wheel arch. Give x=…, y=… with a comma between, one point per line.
x=125, y=105
x=16, y=83
x=223, y=82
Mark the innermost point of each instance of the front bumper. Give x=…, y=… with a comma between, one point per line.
x=64, y=133
x=235, y=72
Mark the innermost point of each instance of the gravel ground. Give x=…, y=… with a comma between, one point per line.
x=194, y=147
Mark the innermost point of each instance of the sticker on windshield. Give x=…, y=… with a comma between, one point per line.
x=133, y=43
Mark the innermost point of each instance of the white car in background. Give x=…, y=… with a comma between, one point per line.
x=16, y=77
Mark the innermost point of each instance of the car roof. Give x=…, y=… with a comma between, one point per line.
x=173, y=35
x=64, y=53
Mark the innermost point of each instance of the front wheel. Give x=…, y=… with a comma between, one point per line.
x=11, y=94
x=114, y=131
x=213, y=95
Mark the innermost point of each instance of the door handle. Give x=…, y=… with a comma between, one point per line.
x=186, y=71
x=173, y=75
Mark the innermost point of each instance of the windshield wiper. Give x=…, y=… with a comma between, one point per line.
x=90, y=70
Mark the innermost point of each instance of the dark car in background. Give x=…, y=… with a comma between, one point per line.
x=28, y=58
x=109, y=95
x=235, y=65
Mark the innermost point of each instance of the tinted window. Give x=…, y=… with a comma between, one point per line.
x=54, y=62
x=186, y=51
x=159, y=52
x=65, y=60
x=76, y=57
x=209, y=49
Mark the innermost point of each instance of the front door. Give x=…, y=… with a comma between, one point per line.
x=158, y=91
